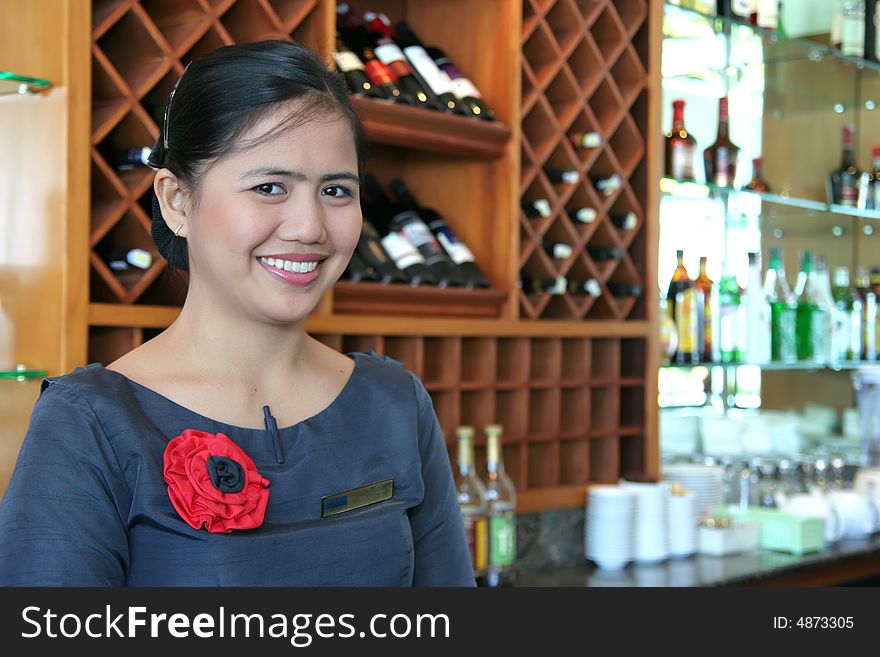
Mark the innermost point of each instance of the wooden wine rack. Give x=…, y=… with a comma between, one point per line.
x=572, y=380
x=584, y=69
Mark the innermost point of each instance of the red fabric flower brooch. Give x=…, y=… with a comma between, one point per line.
x=213, y=483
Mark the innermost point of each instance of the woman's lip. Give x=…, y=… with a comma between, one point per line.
x=293, y=278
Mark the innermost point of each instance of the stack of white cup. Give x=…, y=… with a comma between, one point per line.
x=652, y=526
x=609, y=527
x=682, y=511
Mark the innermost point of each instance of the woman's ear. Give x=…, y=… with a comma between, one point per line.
x=172, y=199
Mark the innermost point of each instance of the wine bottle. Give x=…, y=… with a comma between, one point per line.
x=705, y=309
x=682, y=305
x=626, y=221
x=607, y=185
x=601, y=253
x=680, y=147
x=589, y=287
x=555, y=285
x=721, y=157
x=370, y=249
x=585, y=140
x=352, y=68
x=621, y=290
x=537, y=208
x=472, y=503
x=410, y=225
x=563, y=176
x=782, y=310
x=501, y=499
x=557, y=250
x=462, y=87
x=125, y=260
x=843, y=182
x=357, y=270
x=126, y=159
x=408, y=259
x=757, y=183
x=383, y=76
x=436, y=79
x=811, y=314
x=458, y=251
x=582, y=215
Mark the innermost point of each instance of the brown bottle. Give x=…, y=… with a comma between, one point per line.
x=681, y=147
x=683, y=307
x=757, y=183
x=720, y=158
x=704, y=311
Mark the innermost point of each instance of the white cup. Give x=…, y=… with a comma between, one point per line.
x=858, y=514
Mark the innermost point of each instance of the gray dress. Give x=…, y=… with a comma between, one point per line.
x=88, y=504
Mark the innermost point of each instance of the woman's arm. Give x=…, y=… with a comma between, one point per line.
x=441, y=552
x=61, y=519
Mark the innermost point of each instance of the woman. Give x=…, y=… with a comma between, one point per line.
x=233, y=449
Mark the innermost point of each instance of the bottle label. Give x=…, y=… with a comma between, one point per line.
x=458, y=252
x=782, y=333
x=722, y=167
x=347, y=61
x=433, y=76
x=401, y=250
x=855, y=333
x=729, y=324
x=389, y=52
x=682, y=161
x=502, y=540
x=378, y=72
x=463, y=88
x=849, y=193
x=477, y=532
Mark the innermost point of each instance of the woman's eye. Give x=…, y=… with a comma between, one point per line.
x=270, y=189
x=337, y=191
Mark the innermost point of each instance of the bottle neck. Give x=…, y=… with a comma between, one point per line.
x=677, y=118
x=723, y=119
x=494, y=458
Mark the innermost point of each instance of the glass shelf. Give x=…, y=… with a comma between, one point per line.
x=777, y=367
x=685, y=190
x=10, y=83
x=21, y=373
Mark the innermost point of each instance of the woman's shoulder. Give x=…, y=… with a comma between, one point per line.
x=91, y=386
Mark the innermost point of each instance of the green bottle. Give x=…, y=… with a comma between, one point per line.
x=811, y=331
x=783, y=311
x=731, y=327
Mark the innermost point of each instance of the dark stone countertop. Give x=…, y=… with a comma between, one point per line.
x=848, y=561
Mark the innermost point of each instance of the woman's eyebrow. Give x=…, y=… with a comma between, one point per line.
x=340, y=175
x=298, y=175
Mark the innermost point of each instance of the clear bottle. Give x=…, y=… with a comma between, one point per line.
x=783, y=311
x=834, y=320
x=758, y=315
x=848, y=305
x=811, y=315
x=472, y=502
x=501, y=497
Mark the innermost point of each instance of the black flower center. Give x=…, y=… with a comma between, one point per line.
x=226, y=475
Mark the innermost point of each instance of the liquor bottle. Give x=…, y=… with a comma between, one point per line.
x=472, y=502
x=607, y=185
x=126, y=159
x=621, y=290
x=843, y=182
x=758, y=320
x=371, y=251
x=705, y=312
x=501, y=497
x=682, y=306
x=680, y=147
x=874, y=188
x=408, y=223
x=810, y=331
x=668, y=334
x=872, y=316
x=463, y=89
x=872, y=16
x=746, y=10
x=128, y=259
x=458, y=251
x=834, y=322
x=836, y=37
x=582, y=215
x=869, y=316
x=435, y=78
x=537, y=209
x=853, y=28
x=589, y=287
x=626, y=221
x=585, y=140
x=602, y=253
x=783, y=309
x=848, y=345
x=757, y=183
x=352, y=68
x=357, y=270
x=557, y=250
x=767, y=15
x=732, y=338
x=720, y=158
x=555, y=285
x=563, y=176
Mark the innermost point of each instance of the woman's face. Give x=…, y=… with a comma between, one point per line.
x=274, y=226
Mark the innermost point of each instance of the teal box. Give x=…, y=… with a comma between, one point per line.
x=780, y=531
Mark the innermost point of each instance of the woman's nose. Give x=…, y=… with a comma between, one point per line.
x=303, y=221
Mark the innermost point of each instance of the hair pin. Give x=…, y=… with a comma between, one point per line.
x=168, y=108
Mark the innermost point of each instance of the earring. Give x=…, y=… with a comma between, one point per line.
x=177, y=230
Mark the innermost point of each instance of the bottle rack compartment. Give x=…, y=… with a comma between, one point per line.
x=584, y=70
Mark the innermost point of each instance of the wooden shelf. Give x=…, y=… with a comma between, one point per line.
x=397, y=299
x=413, y=128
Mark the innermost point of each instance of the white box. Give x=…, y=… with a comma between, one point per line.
x=732, y=539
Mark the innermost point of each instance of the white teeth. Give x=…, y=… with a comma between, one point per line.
x=289, y=265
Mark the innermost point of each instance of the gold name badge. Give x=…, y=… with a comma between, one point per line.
x=355, y=498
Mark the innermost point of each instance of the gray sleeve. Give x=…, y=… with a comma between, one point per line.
x=441, y=552
x=61, y=522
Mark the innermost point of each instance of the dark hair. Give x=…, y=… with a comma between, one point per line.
x=224, y=94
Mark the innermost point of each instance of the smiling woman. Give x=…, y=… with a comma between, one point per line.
x=156, y=470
